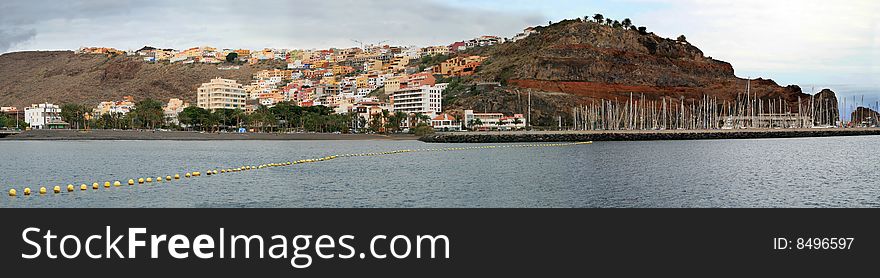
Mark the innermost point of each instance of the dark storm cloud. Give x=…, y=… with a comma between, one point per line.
x=45, y=24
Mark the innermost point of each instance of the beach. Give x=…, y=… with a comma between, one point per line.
x=190, y=135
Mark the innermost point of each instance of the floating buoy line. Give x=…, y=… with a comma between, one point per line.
x=131, y=182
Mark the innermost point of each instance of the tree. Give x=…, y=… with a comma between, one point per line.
x=423, y=129
x=517, y=121
x=599, y=18
x=473, y=123
x=608, y=21
x=376, y=122
x=148, y=113
x=626, y=23
x=500, y=123
x=616, y=24
x=74, y=114
x=231, y=57
x=5, y=122
x=681, y=38
x=643, y=30
x=193, y=117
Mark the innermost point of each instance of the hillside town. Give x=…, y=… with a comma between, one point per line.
x=371, y=88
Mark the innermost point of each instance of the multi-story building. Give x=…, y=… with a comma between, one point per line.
x=221, y=94
x=44, y=116
x=172, y=109
x=422, y=99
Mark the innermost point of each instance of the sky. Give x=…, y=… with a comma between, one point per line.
x=811, y=43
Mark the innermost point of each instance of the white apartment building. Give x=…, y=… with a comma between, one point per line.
x=221, y=94
x=44, y=116
x=423, y=99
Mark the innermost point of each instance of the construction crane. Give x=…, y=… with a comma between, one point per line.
x=364, y=45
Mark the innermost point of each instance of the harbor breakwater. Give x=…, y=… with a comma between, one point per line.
x=638, y=135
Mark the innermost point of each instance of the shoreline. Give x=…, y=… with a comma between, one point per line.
x=639, y=135
x=75, y=135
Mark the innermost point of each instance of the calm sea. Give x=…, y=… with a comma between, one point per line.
x=805, y=172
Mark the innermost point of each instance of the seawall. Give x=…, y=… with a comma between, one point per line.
x=639, y=135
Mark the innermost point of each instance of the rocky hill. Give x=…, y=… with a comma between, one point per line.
x=577, y=61
x=65, y=77
x=864, y=115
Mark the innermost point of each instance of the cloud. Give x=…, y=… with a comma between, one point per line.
x=789, y=37
x=11, y=37
x=252, y=24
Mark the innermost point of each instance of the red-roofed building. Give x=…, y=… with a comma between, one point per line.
x=445, y=122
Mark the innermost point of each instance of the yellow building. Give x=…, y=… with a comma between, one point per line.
x=362, y=81
x=221, y=94
x=459, y=65
x=435, y=50
x=266, y=74
x=397, y=64
x=393, y=84
x=341, y=70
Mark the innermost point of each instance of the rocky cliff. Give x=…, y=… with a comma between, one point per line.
x=65, y=77
x=825, y=108
x=865, y=116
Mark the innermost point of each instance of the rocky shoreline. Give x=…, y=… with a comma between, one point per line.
x=641, y=135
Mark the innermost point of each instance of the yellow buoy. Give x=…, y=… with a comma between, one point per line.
x=215, y=172
x=168, y=178
x=95, y=185
x=56, y=189
x=107, y=184
x=158, y=179
x=117, y=184
x=187, y=175
x=27, y=191
x=130, y=182
x=83, y=187
x=141, y=180
x=69, y=188
x=42, y=190
x=12, y=193
x=196, y=174
x=176, y=176
x=149, y=179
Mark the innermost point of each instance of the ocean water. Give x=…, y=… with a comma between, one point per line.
x=803, y=172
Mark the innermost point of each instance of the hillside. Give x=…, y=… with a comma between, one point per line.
x=584, y=60
x=64, y=77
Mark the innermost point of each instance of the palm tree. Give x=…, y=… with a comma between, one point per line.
x=400, y=117
x=500, y=123
x=473, y=123
x=423, y=118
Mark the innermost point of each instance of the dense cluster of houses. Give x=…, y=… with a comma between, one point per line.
x=347, y=80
